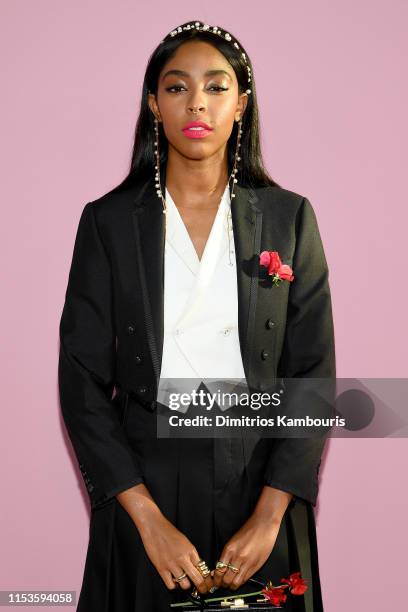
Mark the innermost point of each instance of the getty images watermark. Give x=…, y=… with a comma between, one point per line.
x=204, y=401
x=290, y=407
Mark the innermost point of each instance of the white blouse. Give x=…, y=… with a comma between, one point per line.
x=200, y=301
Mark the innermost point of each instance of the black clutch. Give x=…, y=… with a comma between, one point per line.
x=215, y=607
x=250, y=606
x=242, y=600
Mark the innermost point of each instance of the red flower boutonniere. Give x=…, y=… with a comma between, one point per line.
x=295, y=584
x=276, y=269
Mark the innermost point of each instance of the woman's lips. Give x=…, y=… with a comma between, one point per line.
x=196, y=132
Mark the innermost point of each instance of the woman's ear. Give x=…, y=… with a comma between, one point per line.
x=243, y=101
x=151, y=100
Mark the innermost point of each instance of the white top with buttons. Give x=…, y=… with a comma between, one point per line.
x=200, y=301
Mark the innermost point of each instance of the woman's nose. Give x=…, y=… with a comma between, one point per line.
x=196, y=101
x=195, y=108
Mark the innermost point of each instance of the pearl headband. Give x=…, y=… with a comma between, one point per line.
x=197, y=25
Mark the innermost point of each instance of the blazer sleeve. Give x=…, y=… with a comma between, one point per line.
x=86, y=369
x=308, y=352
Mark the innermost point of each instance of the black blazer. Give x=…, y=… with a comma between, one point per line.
x=111, y=328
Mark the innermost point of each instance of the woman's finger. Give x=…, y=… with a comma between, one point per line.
x=220, y=572
x=208, y=580
x=195, y=575
x=167, y=578
x=230, y=574
x=241, y=577
x=176, y=572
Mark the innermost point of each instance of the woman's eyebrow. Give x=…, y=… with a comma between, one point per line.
x=186, y=74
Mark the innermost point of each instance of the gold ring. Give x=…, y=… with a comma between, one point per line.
x=180, y=578
x=221, y=565
x=203, y=568
x=233, y=568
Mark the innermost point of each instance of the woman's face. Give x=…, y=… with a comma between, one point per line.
x=215, y=97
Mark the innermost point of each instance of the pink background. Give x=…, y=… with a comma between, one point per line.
x=333, y=106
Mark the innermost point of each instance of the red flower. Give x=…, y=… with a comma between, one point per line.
x=275, y=595
x=297, y=585
x=276, y=269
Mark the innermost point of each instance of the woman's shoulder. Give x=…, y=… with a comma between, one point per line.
x=115, y=197
x=276, y=199
x=113, y=205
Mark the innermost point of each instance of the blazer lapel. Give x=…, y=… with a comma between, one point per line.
x=149, y=228
x=247, y=227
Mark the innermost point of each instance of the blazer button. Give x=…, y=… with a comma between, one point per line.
x=138, y=359
x=142, y=389
x=270, y=323
x=264, y=354
x=90, y=487
x=131, y=329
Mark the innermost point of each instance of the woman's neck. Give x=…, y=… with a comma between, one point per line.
x=196, y=183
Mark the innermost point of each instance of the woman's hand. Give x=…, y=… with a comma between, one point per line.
x=248, y=549
x=172, y=554
x=170, y=551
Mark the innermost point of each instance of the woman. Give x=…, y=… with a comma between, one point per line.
x=182, y=294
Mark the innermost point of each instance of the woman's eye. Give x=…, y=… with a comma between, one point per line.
x=178, y=87
x=174, y=87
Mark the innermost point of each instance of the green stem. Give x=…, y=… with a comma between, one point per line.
x=188, y=603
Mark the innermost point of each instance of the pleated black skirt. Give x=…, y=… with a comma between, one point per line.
x=207, y=488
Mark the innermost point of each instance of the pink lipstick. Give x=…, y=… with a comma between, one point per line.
x=197, y=129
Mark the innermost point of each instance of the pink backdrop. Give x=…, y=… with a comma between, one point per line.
x=333, y=116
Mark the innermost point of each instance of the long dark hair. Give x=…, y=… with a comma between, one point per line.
x=251, y=171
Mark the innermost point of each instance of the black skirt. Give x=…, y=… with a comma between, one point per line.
x=207, y=488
